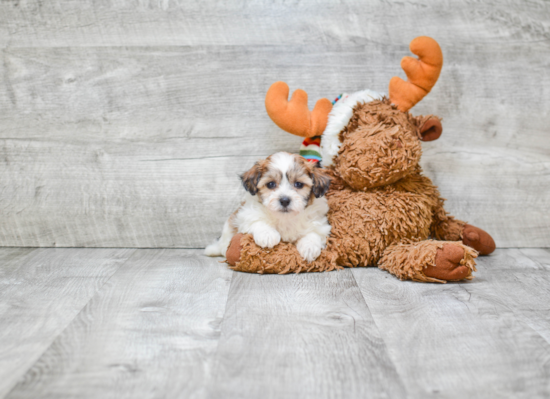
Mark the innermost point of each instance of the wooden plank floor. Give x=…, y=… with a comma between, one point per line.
x=167, y=323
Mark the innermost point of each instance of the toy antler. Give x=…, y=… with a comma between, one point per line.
x=422, y=73
x=294, y=115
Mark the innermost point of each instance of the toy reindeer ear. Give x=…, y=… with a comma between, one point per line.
x=431, y=129
x=251, y=178
x=294, y=116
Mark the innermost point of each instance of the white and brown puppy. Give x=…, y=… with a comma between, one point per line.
x=284, y=201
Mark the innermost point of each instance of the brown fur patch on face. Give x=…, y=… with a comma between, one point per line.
x=300, y=172
x=270, y=175
x=251, y=178
x=380, y=145
x=315, y=179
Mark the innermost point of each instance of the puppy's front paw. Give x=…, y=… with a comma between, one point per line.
x=310, y=248
x=267, y=238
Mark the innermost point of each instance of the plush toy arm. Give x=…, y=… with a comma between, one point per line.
x=245, y=255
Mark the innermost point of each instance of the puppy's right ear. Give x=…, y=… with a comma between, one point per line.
x=321, y=181
x=251, y=178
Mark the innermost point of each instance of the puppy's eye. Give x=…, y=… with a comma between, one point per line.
x=299, y=184
x=270, y=185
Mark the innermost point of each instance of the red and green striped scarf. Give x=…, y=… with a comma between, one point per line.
x=311, y=149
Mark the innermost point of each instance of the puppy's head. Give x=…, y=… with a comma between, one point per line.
x=285, y=182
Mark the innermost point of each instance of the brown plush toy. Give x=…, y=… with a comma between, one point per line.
x=383, y=210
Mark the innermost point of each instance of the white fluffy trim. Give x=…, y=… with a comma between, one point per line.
x=338, y=118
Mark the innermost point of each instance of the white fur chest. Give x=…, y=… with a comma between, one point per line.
x=290, y=226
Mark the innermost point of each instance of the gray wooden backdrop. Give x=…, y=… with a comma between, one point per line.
x=125, y=123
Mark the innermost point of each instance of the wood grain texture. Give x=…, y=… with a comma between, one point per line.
x=484, y=338
x=150, y=332
x=60, y=23
x=132, y=134
x=173, y=323
x=41, y=291
x=520, y=279
x=9, y=256
x=301, y=336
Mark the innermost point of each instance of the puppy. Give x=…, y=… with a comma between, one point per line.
x=284, y=201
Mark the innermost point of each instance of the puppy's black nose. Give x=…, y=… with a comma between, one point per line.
x=284, y=201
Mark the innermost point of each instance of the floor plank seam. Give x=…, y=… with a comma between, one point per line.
x=382, y=336
x=216, y=351
x=16, y=382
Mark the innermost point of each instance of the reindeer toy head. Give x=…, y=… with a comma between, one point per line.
x=368, y=139
x=383, y=210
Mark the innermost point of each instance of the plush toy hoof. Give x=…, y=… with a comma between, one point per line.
x=447, y=264
x=233, y=254
x=478, y=239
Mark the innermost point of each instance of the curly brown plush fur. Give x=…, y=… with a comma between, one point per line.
x=380, y=144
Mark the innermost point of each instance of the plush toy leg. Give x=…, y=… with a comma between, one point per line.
x=429, y=261
x=456, y=230
x=447, y=228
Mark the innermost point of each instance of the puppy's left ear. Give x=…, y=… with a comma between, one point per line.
x=321, y=181
x=251, y=178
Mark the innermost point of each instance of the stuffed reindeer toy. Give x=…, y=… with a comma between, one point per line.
x=383, y=211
